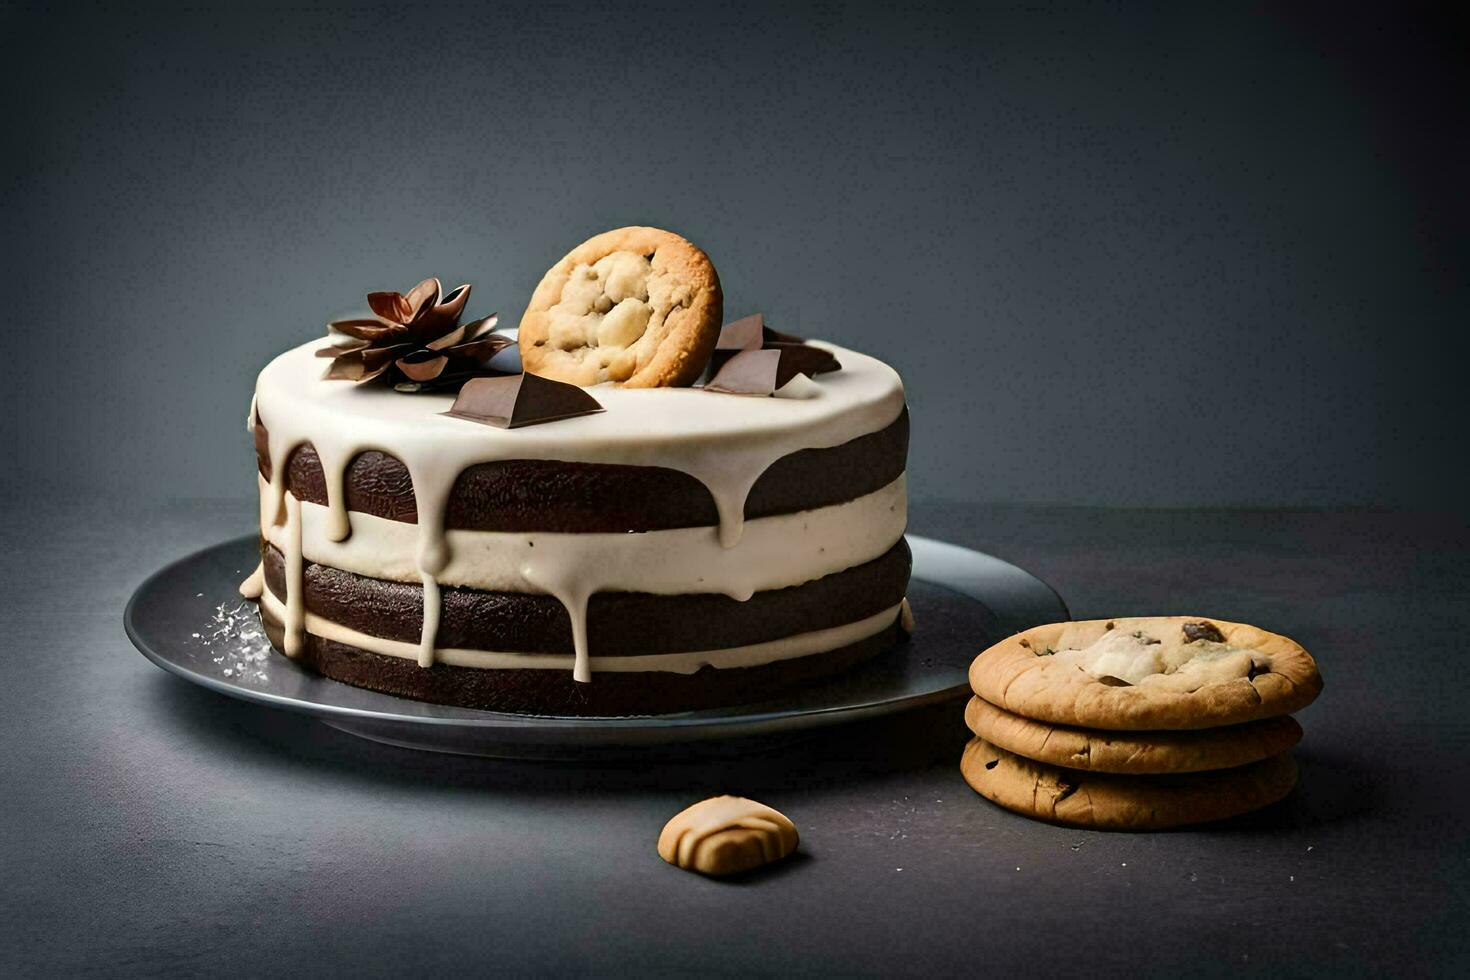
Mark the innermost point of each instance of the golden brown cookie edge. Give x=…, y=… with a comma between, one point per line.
x=1105, y=801
x=1128, y=752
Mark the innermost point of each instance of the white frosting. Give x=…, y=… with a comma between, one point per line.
x=726, y=442
x=773, y=553
x=786, y=648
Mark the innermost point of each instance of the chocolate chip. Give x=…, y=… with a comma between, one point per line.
x=1112, y=681
x=1194, y=632
x=1109, y=625
x=1026, y=644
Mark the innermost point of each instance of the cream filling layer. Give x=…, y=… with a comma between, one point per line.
x=754, y=655
x=773, y=553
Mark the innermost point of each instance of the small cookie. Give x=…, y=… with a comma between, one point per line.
x=638, y=306
x=1135, y=753
x=1160, y=672
x=725, y=835
x=1110, y=802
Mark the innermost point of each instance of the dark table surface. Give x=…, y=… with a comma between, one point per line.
x=154, y=828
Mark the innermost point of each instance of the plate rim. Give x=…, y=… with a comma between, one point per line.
x=555, y=726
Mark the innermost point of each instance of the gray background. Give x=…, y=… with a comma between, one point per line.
x=1195, y=254
x=1182, y=255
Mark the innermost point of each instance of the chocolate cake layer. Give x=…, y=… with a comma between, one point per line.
x=553, y=692
x=555, y=495
x=618, y=623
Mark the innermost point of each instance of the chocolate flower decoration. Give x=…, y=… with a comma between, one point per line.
x=416, y=339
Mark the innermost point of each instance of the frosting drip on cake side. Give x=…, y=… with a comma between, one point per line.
x=725, y=442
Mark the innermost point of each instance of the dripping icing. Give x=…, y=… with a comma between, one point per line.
x=725, y=442
x=295, y=620
x=254, y=583
x=334, y=473
x=431, y=621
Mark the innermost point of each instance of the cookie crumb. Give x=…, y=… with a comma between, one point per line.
x=725, y=835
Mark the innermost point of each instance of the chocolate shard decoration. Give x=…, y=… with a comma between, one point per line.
x=752, y=372
x=810, y=361
x=751, y=333
x=777, y=337
x=512, y=401
x=747, y=333
x=764, y=372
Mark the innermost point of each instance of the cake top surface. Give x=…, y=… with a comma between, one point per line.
x=863, y=397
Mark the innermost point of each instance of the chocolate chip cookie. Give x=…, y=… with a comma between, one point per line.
x=1175, y=672
x=640, y=307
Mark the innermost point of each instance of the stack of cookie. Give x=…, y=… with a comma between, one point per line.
x=1137, y=724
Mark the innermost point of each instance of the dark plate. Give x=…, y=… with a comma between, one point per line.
x=187, y=619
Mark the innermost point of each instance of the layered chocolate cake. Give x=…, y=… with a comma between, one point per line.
x=434, y=529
